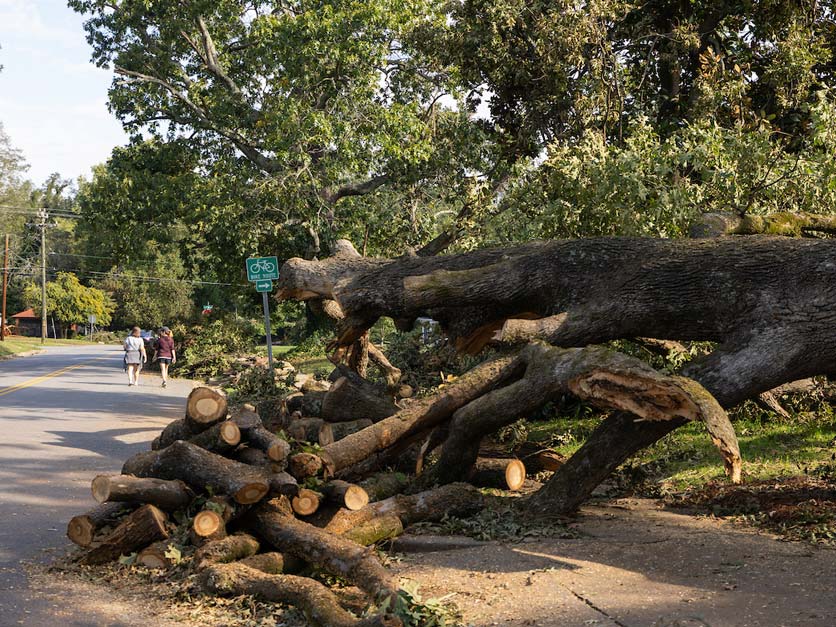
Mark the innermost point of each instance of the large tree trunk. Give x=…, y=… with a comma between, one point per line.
x=770, y=303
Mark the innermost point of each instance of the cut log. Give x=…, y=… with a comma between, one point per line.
x=383, y=527
x=204, y=407
x=137, y=530
x=347, y=401
x=209, y=524
x=154, y=556
x=537, y=458
x=273, y=520
x=276, y=448
x=167, y=495
x=252, y=456
x=304, y=465
x=309, y=404
x=282, y=483
x=219, y=438
x=305, y=429
x=229, y=549
x=273, y=413
x=317, y=602
x=455, y=499
x=273, y=563
x=331, y=432
x=420, y=415
x=201, y=469
x=505, y=474
x=180, y=429
x=384, y=484
x=306, y=502
x=345, y=494
x=83, y=528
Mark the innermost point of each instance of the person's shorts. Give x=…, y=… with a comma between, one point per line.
x=164, y=360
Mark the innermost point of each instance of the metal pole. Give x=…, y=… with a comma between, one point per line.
x=5, y=280
x=42, y=213
x=267, y=330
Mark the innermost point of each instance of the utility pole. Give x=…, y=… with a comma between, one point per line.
x=42, y=214
x=5, y=281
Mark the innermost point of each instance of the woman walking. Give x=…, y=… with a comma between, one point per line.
x=135, y=355
x=165, y=352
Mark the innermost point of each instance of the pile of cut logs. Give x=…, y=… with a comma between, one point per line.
x=264, y=500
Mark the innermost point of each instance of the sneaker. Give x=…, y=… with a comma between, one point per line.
x=164, y=384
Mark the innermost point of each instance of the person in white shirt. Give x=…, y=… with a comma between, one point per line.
x=135, y=355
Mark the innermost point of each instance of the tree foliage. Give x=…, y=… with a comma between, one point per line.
x=70, y=302
x=394, y=122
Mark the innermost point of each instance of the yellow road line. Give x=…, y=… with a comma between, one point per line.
x=36, y=380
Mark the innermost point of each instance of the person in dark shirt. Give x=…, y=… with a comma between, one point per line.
x=165, y=352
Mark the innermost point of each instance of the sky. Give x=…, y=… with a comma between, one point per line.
x=53, y=101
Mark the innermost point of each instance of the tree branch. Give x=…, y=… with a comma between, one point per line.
x=355, y=189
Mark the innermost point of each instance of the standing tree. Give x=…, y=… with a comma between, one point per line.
x=70, y=302
x=303, y=107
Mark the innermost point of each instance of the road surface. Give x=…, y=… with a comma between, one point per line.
x=65, y=416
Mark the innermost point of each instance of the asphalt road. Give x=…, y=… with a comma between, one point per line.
x=65, y=416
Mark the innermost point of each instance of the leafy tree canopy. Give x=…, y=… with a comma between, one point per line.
x=71, y=302
x=297, y=107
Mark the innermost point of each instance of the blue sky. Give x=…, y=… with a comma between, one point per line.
x=53, y=101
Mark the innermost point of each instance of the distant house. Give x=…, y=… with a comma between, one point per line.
x=27, y=323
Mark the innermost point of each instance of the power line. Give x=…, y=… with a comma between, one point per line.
x=146, y=278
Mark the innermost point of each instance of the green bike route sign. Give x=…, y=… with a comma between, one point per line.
x=262, y=269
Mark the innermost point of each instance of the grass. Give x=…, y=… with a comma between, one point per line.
x=770, y=446
x=19, y=344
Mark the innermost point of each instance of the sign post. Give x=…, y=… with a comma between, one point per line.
x=263, y=271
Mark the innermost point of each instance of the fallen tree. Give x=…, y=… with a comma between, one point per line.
x=769, y=303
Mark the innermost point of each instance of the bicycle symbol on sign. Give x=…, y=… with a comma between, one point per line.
x=263, y=265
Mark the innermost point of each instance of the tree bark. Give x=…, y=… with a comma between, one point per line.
x=83, y=528
x=384, y=484
x=454, y=499
x=274, y=521
x=305, y=429
x=347, y=401
x=418, y=416
x=331, y=432
x=723, y=290
x=317, y=602
x=597, y=375
x=137, y=530
x=229, y=549
x=201, y=469
x=167, y=495
x=154, y=555
x=384, y=527
x=785, y=223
